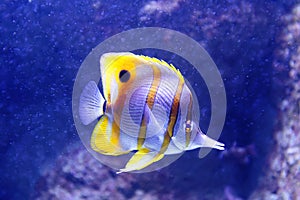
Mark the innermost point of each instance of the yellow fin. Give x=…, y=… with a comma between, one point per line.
x=141, y=159
x=100, y=140
x=164, y=63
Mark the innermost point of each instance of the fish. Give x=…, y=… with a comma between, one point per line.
x=146, y=107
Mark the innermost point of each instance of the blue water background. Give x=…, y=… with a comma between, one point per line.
x=42, y=45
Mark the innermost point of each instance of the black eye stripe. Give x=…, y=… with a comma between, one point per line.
x=124, y=76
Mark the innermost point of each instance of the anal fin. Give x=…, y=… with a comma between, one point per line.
x=141, y=159
x=101, y=139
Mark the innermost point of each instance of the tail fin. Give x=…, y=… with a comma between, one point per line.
x=204, y=141
x=211, y=143
x=90, y=103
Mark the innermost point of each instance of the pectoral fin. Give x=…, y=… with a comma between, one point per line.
x=141, y=159
x=90, y=103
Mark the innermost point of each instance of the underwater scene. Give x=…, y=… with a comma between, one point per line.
x=150, y=100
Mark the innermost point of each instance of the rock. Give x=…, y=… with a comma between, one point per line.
x=77, y=175
x=281, y=180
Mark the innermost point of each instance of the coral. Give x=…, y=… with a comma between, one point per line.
x=158, y=7
x=233, y=15
x=77, y=175
x=282, y=178
x=242, y=155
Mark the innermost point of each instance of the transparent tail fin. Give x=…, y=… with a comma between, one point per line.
x=205, y=141
x=211, y=143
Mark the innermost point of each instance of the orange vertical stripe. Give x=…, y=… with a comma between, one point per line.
x=150, y=102
x=173, y=116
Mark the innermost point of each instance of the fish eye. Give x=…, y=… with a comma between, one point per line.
x=124, y=76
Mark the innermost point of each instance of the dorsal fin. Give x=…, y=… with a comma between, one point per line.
x=164, y=63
